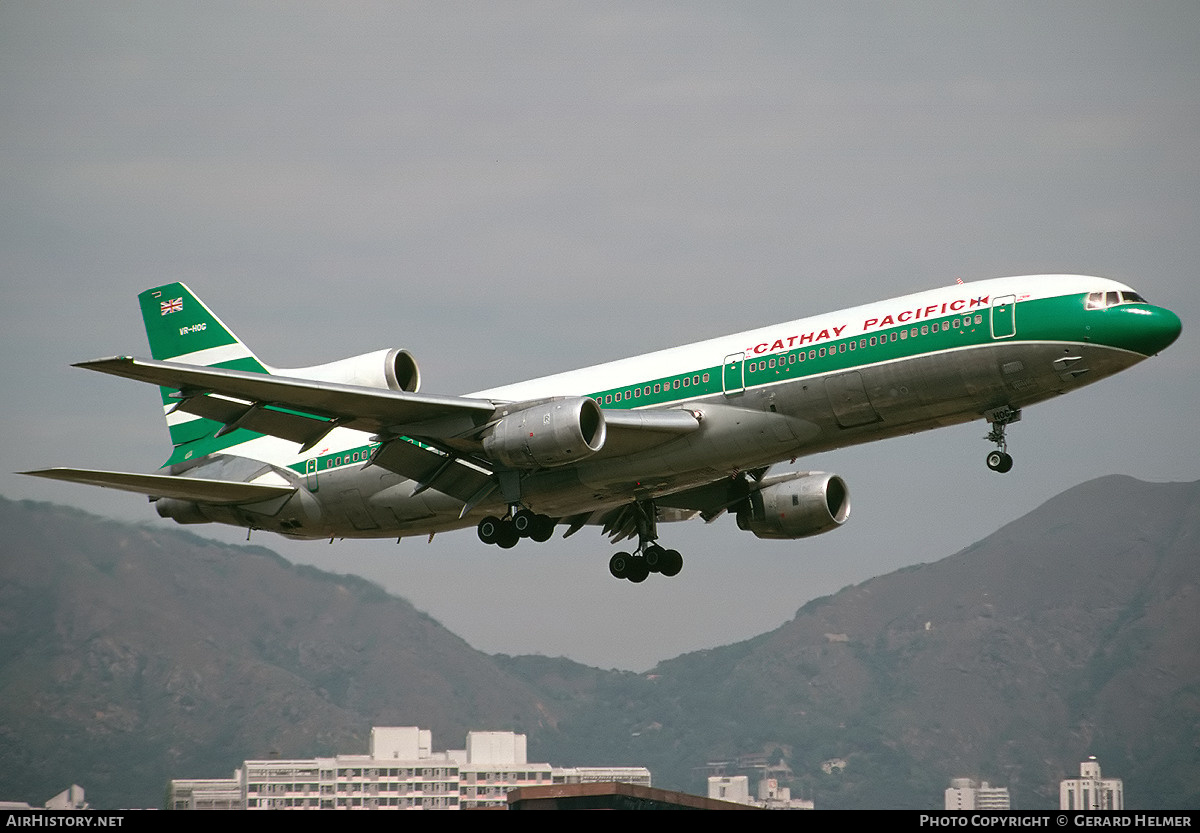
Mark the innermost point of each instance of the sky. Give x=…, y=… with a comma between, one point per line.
x=513, y=190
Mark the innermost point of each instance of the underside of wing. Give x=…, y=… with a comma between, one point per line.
x=197, y=489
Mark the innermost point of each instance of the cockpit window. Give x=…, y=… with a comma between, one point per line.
x=1103, y=300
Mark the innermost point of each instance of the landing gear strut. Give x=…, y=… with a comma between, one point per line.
x=649, y=556
x=1000, y=460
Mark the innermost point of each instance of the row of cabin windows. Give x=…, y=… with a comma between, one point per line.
x=863, y=343
x=648, y=390
x=792, y=358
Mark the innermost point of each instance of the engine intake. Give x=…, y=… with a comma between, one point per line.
x=796, y=505
x=552, y=433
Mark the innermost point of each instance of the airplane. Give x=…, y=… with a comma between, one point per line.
x=353, y=449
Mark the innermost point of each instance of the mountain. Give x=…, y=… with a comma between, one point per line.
x=129, y=656
x=1071, y=631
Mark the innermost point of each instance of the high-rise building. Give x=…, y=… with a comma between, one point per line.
x=966, y=794
x=401, y=771
x=1089, y=791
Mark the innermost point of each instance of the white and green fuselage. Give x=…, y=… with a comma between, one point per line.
x=681, y=422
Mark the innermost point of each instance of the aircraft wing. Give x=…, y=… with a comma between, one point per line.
x=434, y=440
x=267, y=399
x=165, y=485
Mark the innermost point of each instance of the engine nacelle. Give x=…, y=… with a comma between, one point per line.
x=552, y=433
x=797, y=505
x=393, y=369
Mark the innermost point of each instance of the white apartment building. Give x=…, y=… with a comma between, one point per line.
x=771, y=796
x=967, y=794
x=401, y=772
x=1089, y=791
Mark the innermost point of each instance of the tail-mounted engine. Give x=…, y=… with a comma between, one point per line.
x=393, y=369
x=796, y=505
x=552, y=433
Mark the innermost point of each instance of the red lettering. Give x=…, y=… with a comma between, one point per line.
x=887, y=319
x=904, y=316
x=837, y=331
x=869, y=323
x=778, y=345
x=957, y=305
x=806, y=338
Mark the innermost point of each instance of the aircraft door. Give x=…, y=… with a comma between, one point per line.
x=733, y=380
x=310, y=473
x=1004, y=316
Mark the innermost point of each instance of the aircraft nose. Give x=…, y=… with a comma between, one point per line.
x=1166, y=327
x=1153, y=329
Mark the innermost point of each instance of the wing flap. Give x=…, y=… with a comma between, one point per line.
x=197, y=489
x=432, y=469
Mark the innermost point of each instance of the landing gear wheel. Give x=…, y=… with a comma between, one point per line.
x=654, y=555
x=637, y=570
x=543, y=528
x=618, y=565
x=672, y=563
x=489, y=529
x=508, y=537
x=1000, y=461
x=524, y=522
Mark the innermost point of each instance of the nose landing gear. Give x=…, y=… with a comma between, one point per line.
x=1000, y=418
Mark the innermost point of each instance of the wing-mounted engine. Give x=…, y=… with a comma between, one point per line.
x=796, y=505
x=552, y=433
x=393, y=369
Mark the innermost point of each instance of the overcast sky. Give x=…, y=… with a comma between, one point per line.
x=511, y=190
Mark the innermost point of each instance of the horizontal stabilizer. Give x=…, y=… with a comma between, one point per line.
x=163, y=485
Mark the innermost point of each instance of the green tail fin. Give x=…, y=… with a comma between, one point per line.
x=181, y=328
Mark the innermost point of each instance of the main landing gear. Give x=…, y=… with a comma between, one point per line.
x=1000, y=460
x=522, y=523
x=649, y=557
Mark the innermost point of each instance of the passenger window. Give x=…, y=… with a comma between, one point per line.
x=925, y=329
x=904, y=334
